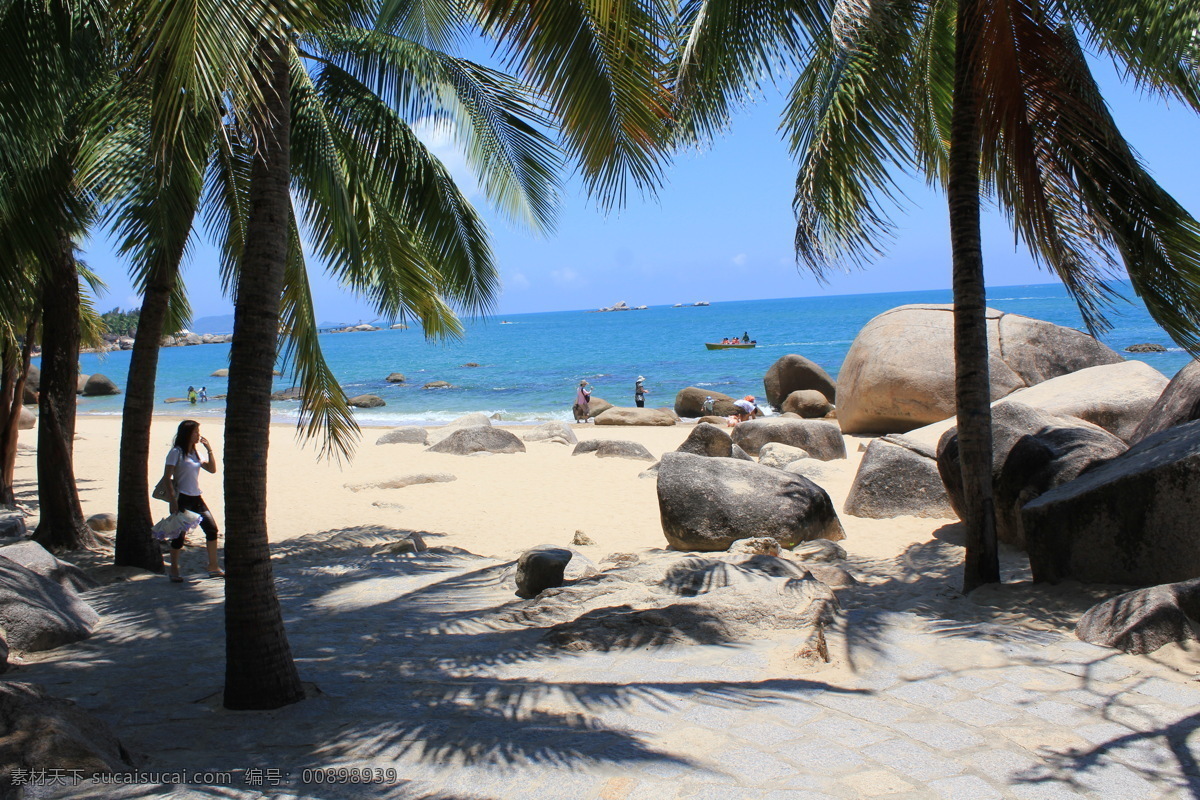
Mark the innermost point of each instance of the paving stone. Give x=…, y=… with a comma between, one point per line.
x=1006, y=766
x=764, y=734
x=876, y=783
x=872, y=709
x=971, y=683
x=847, y=729
x=1173, y=694
x=1048, y=790
x=826, y=758
x=977, y=712
x=1102, y=732
x=924, y=693
x=942, y=736
x=965, y=787
x=1008, y=695
x=1061, y=713
x=797, y=713
x=752, y=766
x=1116, y=782
x=912, y=759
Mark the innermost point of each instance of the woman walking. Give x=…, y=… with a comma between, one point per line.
x=182, y=473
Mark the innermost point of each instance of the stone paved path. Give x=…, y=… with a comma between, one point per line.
x=922, y=704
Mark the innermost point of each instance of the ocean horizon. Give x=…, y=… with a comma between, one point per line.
x=530, y=364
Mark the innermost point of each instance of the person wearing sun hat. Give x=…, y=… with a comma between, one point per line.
x=640, y=392
x=583, y=396
x=746, y=408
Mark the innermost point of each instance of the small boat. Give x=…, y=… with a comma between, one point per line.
x=738, y=346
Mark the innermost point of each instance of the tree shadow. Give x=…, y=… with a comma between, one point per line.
x=433, y=671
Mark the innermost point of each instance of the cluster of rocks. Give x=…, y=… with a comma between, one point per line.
x=42, y=608
x=622, y=306
x=660, y=598
x=1096, y=460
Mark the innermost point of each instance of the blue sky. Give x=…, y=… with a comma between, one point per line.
x=720, y=228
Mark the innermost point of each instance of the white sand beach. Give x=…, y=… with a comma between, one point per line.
x=425, y=664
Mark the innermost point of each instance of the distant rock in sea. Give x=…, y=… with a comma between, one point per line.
x=1145, y=347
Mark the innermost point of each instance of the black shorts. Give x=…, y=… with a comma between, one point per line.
x=208, y=523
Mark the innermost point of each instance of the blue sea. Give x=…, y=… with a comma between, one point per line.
x=530, y=364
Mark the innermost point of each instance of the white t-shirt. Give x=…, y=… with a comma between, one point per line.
x=187, y=471
x=745, y=405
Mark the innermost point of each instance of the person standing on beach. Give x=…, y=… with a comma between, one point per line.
x=583, y=396
x=640, y=392
x=182, y=473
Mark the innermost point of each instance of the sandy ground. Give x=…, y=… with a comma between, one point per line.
x=499, y=505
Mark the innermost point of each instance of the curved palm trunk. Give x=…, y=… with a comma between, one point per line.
x=259, y=670
x=12, y=417
x=972, y=384
x=135, y=547
x=60, y=523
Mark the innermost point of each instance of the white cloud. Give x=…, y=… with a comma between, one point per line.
x=517, y=281
x=567, y=277
x=739, y=260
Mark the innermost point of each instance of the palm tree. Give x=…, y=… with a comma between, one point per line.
x=980, y=97
x=417, y=247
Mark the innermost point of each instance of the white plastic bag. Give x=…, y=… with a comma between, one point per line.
x=177, y=524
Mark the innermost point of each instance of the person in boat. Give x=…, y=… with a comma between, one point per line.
x=745, y=408
x=640, y=392
x=745, y=337
x=583, y=396
x=736, y=341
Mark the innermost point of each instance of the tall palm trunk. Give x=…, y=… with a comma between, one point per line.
x=135, y=547
x=259, y=670
x=12, y=419
x=60, y=524
x=972, y=386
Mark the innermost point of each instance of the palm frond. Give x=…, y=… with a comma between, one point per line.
x=728, y=49
x=496, y=121
x=1155, y=42
x=603, y=67
x=849, y=121
x=324, y=412
x=439, y=24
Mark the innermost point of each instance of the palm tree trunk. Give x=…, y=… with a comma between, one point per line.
x=12, y=420
x=972, y=385
x=60, y=523
x=259, y=670
x=135, y=547
x=8, y=380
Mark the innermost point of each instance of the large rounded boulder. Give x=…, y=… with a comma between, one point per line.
x=710, y=503
x=898, y=477
x=557, y=432
x=707, y=440
x=99, y=385
x=1050, y=450
x=899, y=372
x=467, y=441
x=1117, y=397
x=27, y=420
x=690, y=403
x=1178, y=403
x=794, y=373
x=807, y=403
x=636, y=416
x=1134, y=519
x=822, y=440
x=366, y=401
